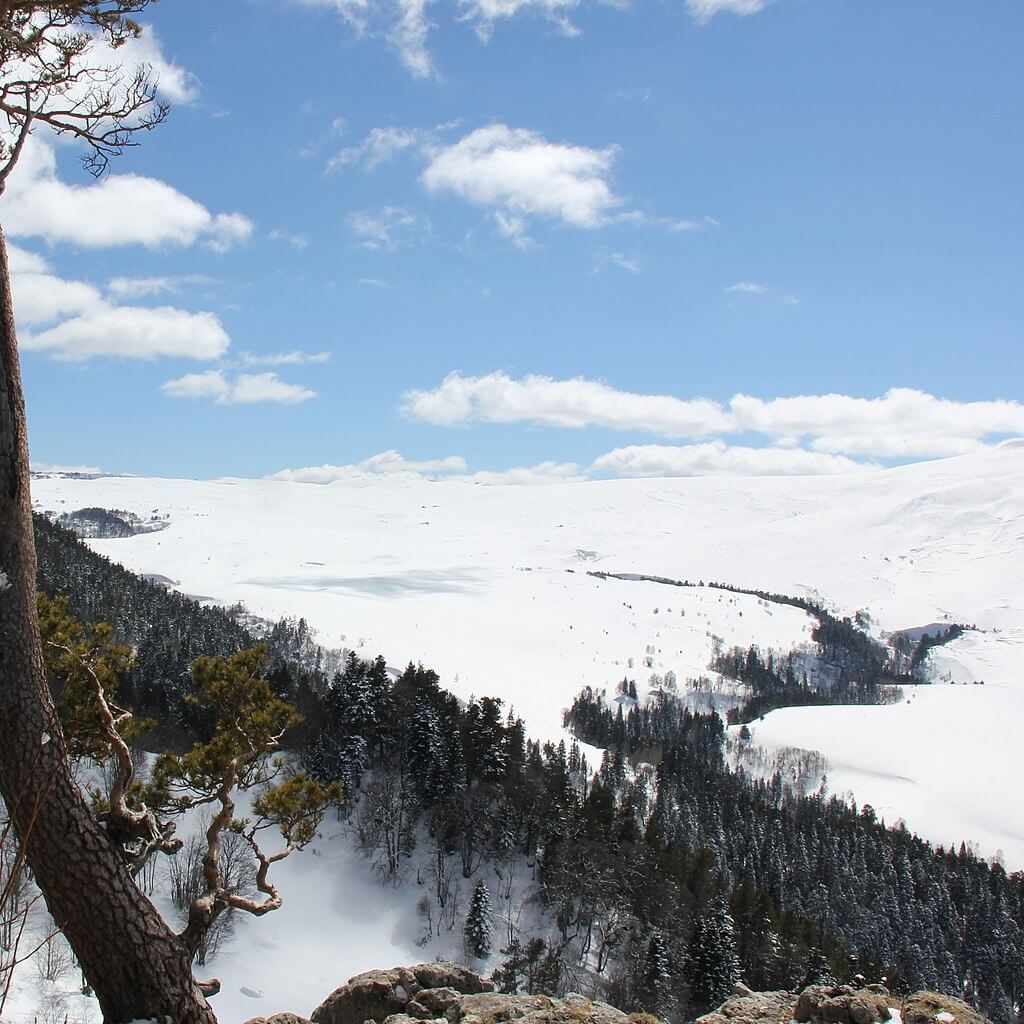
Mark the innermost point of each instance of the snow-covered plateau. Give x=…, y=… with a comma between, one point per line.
x=489, y=586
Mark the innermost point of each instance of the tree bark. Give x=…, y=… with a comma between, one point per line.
x=136, y=965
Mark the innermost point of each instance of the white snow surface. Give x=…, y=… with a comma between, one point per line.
x=472, y=581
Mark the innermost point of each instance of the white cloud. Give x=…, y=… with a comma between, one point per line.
x=514, y=229
x=211, y=384
x=902, y=423
x=120, y=209
x=387, y=228
x=403, y=23
x=607, y=257
x=293, y=358
x=379, y=146
x=498, y=398
x=174, y=82
x=132, y=332
x=91, y=326
x=21, y=261
x=389, y=463
x=485, y=14
x=716, y=458
x=705, y=10
x=520, y=173
x=247, y=389
x=542, y=473
x=453, y=467
x=748, y=288
x=43, y=298
x=267, y=387
x=139, y=287
x=408, y=34
x=97, y=70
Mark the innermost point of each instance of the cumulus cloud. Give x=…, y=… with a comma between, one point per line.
x=748, y=288
x=132, y=332
x=389, y=463
x=246, y=389
x=42, y=298
x=520, y=173
x=453, y=467
x=120, y=209
x=498, y=398
x=21, y=261
x=902, y=423
x=716, y=458
x=542, y=473
x=71, y=320
x=704, y=10
x=174, y=83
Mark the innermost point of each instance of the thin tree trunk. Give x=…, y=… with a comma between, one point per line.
x=137, y=966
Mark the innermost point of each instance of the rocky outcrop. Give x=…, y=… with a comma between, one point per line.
x=448, y=993
x=842, y=1004
x=934, y=1008
x=496, y=1008
x=279, y=1018
x=746, y=1007
x=422, y=992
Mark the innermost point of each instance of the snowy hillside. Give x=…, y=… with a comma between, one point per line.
x=488, y=585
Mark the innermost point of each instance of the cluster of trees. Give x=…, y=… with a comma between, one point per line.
x=911, y=647
x=838, y=672
x=167, y=631
x=846, y=666
x=921, y=917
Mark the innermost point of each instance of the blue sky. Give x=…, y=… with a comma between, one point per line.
x=538, y=236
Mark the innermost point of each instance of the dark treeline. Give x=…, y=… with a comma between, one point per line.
x=167, y=631
x=913, y=652
x=922, y=917
x=848, y=666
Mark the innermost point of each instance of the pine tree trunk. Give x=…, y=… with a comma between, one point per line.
x=137, y=966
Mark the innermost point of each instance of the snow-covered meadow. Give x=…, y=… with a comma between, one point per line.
x=488, y=585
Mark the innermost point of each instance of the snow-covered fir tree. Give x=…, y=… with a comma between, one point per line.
x=712, y=965
x=478, y=922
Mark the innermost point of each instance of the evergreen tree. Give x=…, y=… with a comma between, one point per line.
x=478, y=922
x=819, y=970
x=509, y=976
x=655, y=994
x=712, y=964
